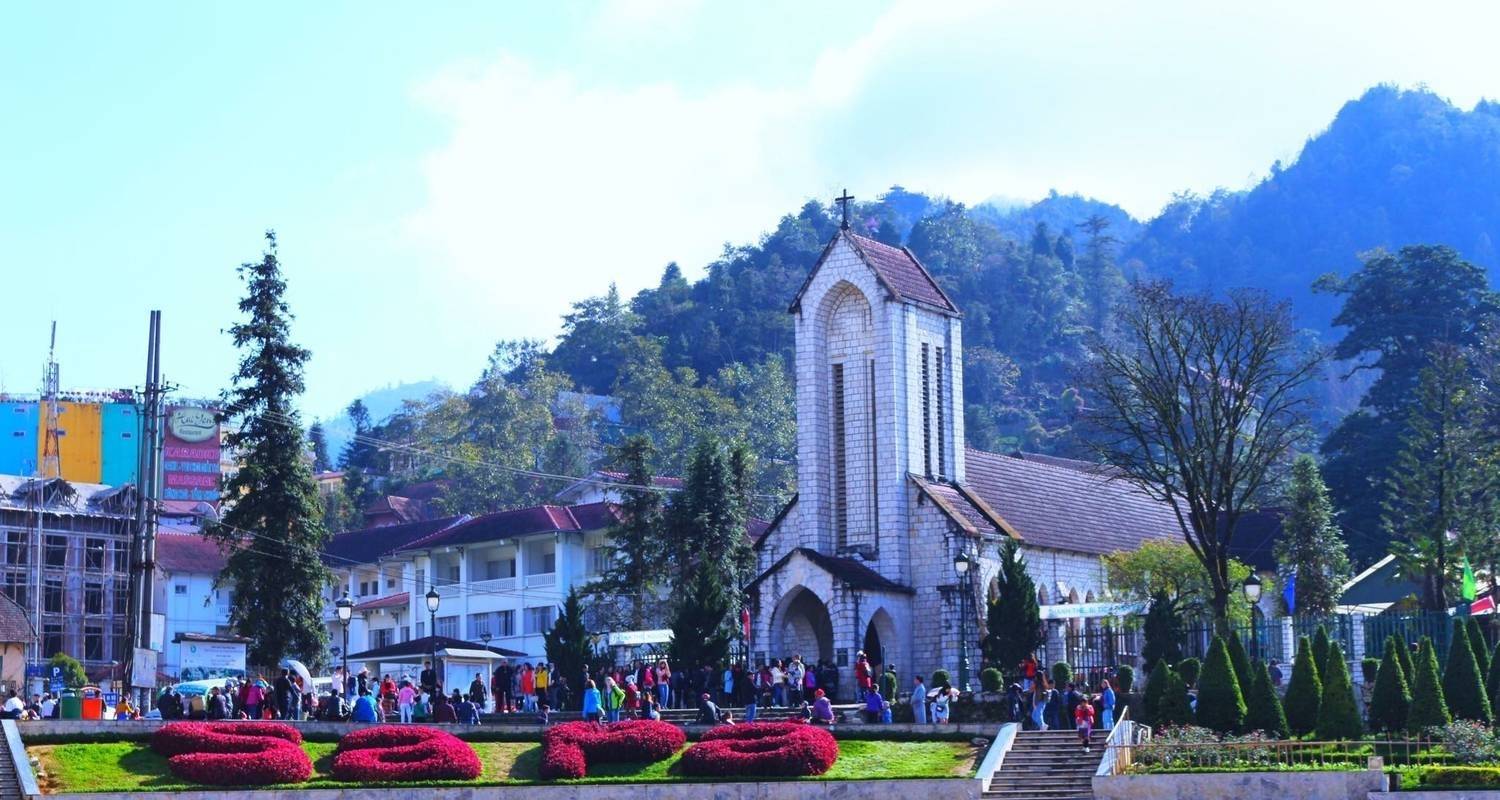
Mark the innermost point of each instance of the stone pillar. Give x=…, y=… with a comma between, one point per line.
x=1288, y=644
x=1057, y=647
x=1357, y=647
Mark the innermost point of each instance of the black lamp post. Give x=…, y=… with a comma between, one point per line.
x=433, y=598
x=345, y=608
x=1252, y=588
x=961, y=564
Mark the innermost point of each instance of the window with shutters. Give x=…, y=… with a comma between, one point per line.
x=942, y=436
x=840, y=467
x=926, y=414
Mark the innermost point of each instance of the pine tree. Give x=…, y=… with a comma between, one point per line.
x=1311, y=544
x=1428, y=708
x=1304, y=692
x=701, y=631
x=1338, y=714
x=1463, y=685
x=1240, y=659
x=1321, y=644
x=1392, y=697
x=278, y=583
x=1014, y=621
x=629, y=581
x=1480, y=647
x=1163, y=632
x=317, y=442
x=567, y=642
x=1221, y=704
x=706, y=521
x=358, y=463
x=1172, y=707
x=1264, y=712
x=1156, y=686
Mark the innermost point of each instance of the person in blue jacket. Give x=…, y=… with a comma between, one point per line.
x=364, y=708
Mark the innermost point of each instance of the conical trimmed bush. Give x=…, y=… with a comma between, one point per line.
x=1392, y=697
x=1404, y=656
x=1480, y=647
x=1156, y=686
x=1304, y=693
x=1221, y=704
x=1265, y=713
x=1428, y=709
x=1463, y=685
x=1338, y=716
x=1173, y=708
x=1321, y=644
x=1240, y=659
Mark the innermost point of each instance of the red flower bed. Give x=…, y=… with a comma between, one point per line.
x=233, y=753
x=569, y=748
x=783, y=749
x=404, y=753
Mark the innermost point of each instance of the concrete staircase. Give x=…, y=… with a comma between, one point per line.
x=1048, y=765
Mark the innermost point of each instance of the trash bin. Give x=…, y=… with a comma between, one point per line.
x=72, y=706
x=93, y=708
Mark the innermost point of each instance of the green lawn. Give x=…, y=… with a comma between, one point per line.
x=131, y=766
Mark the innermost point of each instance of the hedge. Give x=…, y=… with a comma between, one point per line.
x=569, y=748
x=1338, y=715
x=1428, y=708
x=1463, y=683
x=780, y=749
x=1304, y=693
x=404, y=753
x=233, y=753
x=1221, y=704
x=1392, y=697
x=1461, y=776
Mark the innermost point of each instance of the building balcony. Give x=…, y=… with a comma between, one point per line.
x=541, y=579
x=493, y=585
x=449, y=589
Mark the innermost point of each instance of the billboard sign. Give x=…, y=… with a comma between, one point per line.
x=190, y=456
x=143, y=668
x=206, y=660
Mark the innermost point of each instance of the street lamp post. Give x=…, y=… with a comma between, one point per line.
x=433, y=598
x=1252, y=588
x=961, y=564
x=345, y=608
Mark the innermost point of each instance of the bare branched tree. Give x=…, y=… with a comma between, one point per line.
x=1198, y=402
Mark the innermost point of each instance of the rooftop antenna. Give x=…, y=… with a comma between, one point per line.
x=51, y=464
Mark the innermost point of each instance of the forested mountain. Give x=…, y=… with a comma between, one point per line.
x=1394, y=168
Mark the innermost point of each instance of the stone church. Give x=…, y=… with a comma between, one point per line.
x=863, y=558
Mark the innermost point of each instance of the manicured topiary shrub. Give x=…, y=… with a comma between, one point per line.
x=1172, y=707
x=1392, y=697
x=1264, y=712
x=1492, y=682
x=1156, y=686
x=1189, y=668
x=1240, y=660
x=1221, y=704
x=940, y=677
x=1124, y=678
x=233, y=753
x=1369, y=667
x=1320, y=652
x=779, y=749
x=404, y=753
x=1404, y=656
x=1479, y=645
x=1062, y=674
x=1463, y=685
x=1338, y=715
x=569, y=748
x=1304, y=693
x=990, y=680
x=1428, y=708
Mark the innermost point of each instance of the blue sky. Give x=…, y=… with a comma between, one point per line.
x=446, y=175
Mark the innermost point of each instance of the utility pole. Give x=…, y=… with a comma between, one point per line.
x=147, y=500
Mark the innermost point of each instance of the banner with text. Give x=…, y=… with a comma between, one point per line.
x=190, y=456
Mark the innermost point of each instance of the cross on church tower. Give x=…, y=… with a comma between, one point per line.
x=843, y=202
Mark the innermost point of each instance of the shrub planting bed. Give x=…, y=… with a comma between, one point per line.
x=403, y=754
x=233, y=753
x=568, y=749
x=782, y=749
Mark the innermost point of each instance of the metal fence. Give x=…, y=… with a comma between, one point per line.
x=1409, y=629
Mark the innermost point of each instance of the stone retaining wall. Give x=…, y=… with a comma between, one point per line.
x=1300, y=785
x=961, y=789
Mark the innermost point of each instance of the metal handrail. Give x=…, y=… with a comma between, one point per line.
x=1117, y=753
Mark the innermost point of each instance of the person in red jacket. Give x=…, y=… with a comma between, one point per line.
x=1083, y=716
x=862, y=673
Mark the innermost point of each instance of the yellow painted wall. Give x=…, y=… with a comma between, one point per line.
x=81, y=441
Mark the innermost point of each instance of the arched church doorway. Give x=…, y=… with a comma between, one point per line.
x=802, y=627
x=880, y=639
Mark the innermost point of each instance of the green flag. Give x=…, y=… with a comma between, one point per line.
x=1471, y=589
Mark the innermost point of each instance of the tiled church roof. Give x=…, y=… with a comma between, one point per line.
x=847, y=570
x=1066, y=508
x=895, y=267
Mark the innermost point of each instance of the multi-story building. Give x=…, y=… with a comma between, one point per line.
x=66, y=561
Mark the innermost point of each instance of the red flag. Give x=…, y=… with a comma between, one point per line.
x=1484, y=605
x=745, y=622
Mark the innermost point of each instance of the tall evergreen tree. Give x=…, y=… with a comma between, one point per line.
x=1428, y=707
x=636, y=541
x=1434, y=492
x=567, y=642
x=358, y=463
x=707, y=518
x=278, y=576
x=1311, y=545
x=1338, y=714
x=1463, y=684
x=1264, y=711
x=1014, y=622
x=701, y=630
x=1304, y=692
x=1221, y=704
x=1392, y=697
x=1163, y=631
x=317, y=442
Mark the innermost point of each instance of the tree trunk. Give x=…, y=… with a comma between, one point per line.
x=1219, y=604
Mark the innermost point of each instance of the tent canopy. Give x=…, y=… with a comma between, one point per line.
x=416, y=650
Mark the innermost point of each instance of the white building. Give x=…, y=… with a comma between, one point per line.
x=863, y=558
